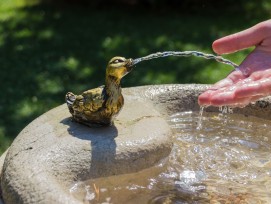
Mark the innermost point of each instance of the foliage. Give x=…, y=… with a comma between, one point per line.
x=49, y=49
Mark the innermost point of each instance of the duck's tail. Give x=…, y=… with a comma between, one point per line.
x=70, y=98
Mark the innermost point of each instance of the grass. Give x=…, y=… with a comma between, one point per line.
x=47, y=50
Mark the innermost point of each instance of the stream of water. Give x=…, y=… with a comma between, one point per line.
x=185, y=54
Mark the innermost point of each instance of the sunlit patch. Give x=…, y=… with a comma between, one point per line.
x=46, y=34
x=70, y=63
x=24, y=33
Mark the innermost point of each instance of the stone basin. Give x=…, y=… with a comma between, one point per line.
x=53, y=152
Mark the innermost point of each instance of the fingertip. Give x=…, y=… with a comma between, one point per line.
x=217, y=47
x=224, y=45
x=204, y=99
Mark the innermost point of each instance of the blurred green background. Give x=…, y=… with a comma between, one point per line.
x=50, y=47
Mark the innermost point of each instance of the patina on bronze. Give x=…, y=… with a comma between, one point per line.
x=99, y=106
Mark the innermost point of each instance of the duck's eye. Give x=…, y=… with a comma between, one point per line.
x=118, y=61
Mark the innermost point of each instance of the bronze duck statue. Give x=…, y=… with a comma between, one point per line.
x=99, y=106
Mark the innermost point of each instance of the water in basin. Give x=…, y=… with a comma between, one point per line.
x=226, y=160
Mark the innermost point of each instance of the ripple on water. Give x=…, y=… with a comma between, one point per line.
x=226, y=160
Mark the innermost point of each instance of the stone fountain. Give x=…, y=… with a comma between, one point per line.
x=53, y=152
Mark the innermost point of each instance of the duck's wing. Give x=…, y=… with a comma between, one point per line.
x=89, y=101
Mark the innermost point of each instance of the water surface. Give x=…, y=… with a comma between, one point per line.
x=226, y=160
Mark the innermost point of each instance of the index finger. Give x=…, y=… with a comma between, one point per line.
x=244, y=39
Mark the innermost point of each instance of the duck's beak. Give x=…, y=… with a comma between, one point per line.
x=129, y=64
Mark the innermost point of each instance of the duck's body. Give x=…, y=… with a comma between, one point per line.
x=100, y=105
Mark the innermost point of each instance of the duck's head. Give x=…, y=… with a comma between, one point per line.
x=118, y=67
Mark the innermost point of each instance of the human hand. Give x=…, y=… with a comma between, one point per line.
x=252, y=80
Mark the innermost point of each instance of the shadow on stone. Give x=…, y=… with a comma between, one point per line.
x=102, y=140
x=89, y=133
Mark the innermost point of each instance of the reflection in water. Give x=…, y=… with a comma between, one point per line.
x=227, y=160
